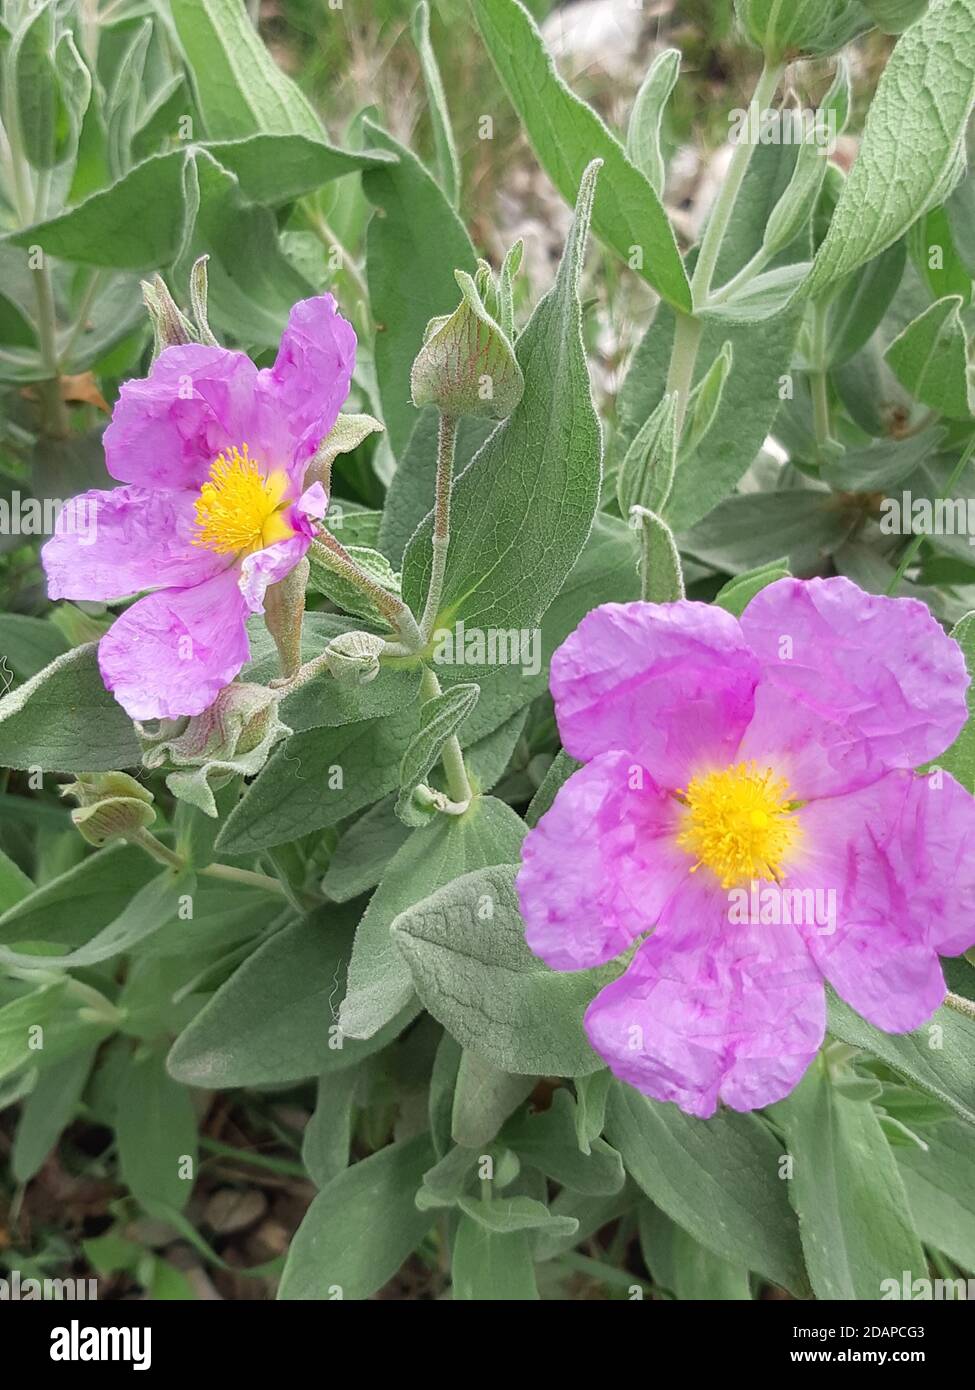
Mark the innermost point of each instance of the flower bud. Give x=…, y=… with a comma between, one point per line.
x=354, y=656
x=467, y=365
x=232, y=738
x=111, y=806
x=788, y=30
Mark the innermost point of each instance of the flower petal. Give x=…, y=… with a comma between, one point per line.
x=711, y=1011
x=168, y=428
x=268, y=566
x=172, y=653
x=308, y=384
x=900, y=857
x=881, y=666
x=816, y=755
x=107, y=545
x=670, y=683
x=600, y=866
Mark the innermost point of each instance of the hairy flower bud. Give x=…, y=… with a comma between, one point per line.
x=467, y=365
x=232, y=738
x=111, y=806
x=354, y=656
x=786, y=29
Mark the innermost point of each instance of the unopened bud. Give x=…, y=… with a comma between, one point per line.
x=467, y=365
x=354, y=656
x=111, y=806
x=789, y=30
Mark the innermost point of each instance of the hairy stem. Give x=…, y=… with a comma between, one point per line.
x=440, y=540
x=393, y=609
x=452, y=757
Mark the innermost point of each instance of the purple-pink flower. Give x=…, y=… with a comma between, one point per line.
x=749, y=797
x=212, y=454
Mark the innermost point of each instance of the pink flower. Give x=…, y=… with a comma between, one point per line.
x=749, y=796
x=212, y=453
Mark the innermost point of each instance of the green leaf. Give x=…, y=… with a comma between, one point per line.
x=361, y=1227
x=738, y=593
x=938, y=1182
x=646, y=118
x=484, y=1097
x=515, y=531
x=43, y=1027
x=317, y=779
x=683, y=1265
x=548, y=1141
x=443, y=136
x=76, y=904
x=716, y=1178
x=327, y=703
x=488, y=1267
x=504, y=1215
x=64, y=720
x=646, y=475
x=380, y=983
x=274, y=1020
x=48, y=1111
x=861, y=302
x=276, y=169
x=414, y=244
x=471, y=966
x=328, y=577
x=155, y=1127
x=362, y=855
x=853, y=1217
x=567, y=135
x=29, y=644
x=32, y=73
x=660, y=565
x=931, y=359
x=14, y=884
x=440, y=717
x=137, y=223
x=749, y=404
x=328, y=1135
x=754, y=529
x=959, y=759
x=939, y=1058
x=239, y=88
x=148, y=911
x=912, y=145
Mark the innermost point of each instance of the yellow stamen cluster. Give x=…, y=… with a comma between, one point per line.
x=238, y=510
x=740, y=823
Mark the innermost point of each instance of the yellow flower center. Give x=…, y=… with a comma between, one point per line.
x=239, y=510
x=740, y=823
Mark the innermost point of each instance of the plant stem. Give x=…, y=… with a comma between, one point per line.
x=689, y=328
x=724, y=206
x=393, y=609
x=440, y=540
x=163, y=855
x=915, y=544
x=451, y=755
x=247, y=877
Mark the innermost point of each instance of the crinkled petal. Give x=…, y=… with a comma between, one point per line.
x=304, y=391
x=172, y=652
x=670, y=683
x=899, y=859
x=600, y=866
x=816, y=755
x=883, y=667
x=168, y=428
x=268, y=566
x=711, y=1011
x=107, y=545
